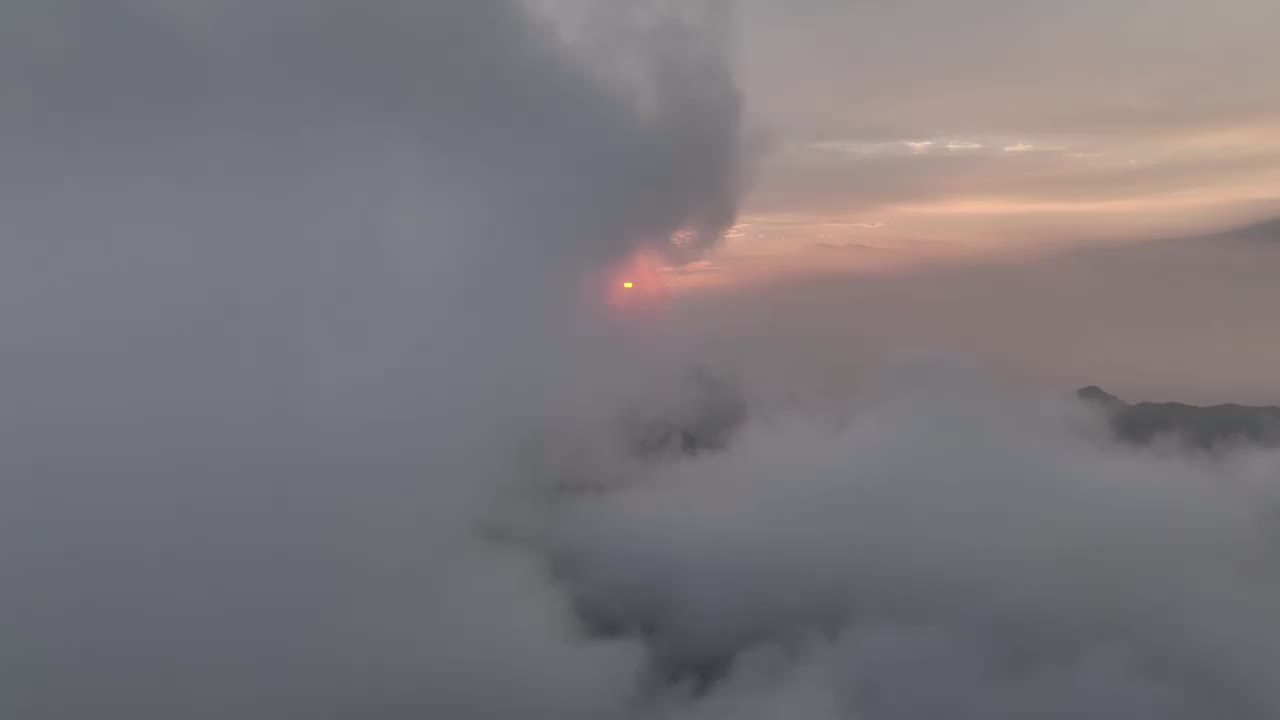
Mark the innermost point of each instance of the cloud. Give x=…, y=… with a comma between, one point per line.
x=280, y=282
x=896, y=147
x=949, y=547
x=313, y=407
x=1025, y=147
x=1181, y=183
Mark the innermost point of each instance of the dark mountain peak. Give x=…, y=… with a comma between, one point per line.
x=1264, y=232
x=1201, y=427
x=1098, y=397
x=1097, y=394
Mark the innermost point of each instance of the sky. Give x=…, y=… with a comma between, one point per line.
x=1015, y=167
x=1004, y=125
x=322, y=394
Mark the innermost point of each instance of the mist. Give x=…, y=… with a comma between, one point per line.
x=1186, y=319
x=314, y=406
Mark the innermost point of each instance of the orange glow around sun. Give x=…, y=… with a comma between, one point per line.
x=634, y=283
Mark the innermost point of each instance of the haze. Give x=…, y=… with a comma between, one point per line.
x=322, y=395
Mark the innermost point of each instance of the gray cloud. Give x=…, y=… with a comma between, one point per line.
x=950, y=548
x=277, y=281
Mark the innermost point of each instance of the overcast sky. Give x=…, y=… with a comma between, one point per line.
x=995, y=123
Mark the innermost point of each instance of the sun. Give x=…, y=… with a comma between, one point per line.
x=628, y=285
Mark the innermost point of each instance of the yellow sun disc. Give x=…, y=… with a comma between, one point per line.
x=626, y=284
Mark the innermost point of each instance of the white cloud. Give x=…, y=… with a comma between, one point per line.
x=1023, y=147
